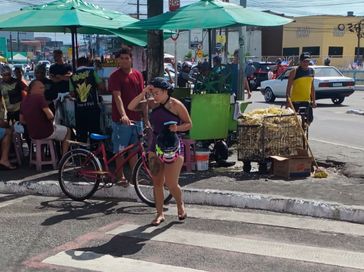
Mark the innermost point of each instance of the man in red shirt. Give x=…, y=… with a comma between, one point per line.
x=35, y=112
x=125, y=84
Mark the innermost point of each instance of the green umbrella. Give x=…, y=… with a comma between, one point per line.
x=210, y=14
x=71, y=16
x=63, y=16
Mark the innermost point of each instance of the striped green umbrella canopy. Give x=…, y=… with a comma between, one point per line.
x=209, y=14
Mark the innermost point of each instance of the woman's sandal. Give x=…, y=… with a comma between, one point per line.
x=157, y=221
x=123, y=182
x=182, y=217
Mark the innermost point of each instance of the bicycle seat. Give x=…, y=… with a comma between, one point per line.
x=98, y=137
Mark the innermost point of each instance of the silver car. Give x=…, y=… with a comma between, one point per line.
x=329, y=83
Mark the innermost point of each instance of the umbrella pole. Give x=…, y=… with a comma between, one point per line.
x=240, y=95
x=76, y=41
x=174, y=38
x=175, y=62
x=73, y=49
x=210, y=48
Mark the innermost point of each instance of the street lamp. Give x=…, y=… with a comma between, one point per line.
x=358, y=29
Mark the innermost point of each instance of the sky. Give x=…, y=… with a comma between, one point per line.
x=288, y=7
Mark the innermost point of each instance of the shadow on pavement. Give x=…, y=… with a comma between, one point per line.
x=125, y=244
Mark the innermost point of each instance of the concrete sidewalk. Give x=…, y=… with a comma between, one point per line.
x=340, y=196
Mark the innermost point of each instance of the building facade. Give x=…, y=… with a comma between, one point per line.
x=324, y=36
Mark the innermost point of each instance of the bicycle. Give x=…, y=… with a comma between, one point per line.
x=81, y=172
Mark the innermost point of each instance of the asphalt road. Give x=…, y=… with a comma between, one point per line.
x=332, y=123
x=48, y=234
x=336, y=134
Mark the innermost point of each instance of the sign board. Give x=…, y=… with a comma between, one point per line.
x=173, y=5
x=69, y=53
x=220, y=39
x=195, y=38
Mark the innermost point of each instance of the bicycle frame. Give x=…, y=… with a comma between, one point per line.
x=132, y=150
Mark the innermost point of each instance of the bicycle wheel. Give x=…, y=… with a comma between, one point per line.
x=143, y=185
x=76, y=174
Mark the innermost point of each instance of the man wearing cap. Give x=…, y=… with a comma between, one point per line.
x=300, y=88
x=249, y=73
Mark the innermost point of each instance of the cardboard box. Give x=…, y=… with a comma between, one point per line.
x=292, y=167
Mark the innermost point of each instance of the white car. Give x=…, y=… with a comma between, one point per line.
x=329, y=83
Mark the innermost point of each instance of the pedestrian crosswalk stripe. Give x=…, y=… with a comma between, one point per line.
x=107, y=263
x=13, y=201
x=279, y=220
x=296, y=252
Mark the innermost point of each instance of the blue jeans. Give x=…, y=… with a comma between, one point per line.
x=124, y=135
x=2, y=133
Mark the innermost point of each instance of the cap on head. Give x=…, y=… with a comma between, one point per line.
x=305, y=56
x=250, y=61
x=160, y=82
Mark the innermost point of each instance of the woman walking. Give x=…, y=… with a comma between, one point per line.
x=165, y=155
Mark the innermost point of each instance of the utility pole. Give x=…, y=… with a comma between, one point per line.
x=242, y=32
x=138, y=9
x=138, y=5
x=155, y=43
x=358, y=29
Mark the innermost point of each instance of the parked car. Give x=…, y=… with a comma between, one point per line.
x=329, y=83
x=261, y=71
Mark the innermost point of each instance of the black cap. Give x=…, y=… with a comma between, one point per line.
x=305, y=56
x=160, y=82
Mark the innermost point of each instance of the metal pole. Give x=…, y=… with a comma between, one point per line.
x=73, y=50
x=138, y=9
x=18, y=41
x=11, y=48
x=358, y=49
x=76, y=41
x=210, y=48
x=242, y=30
x=175, y=63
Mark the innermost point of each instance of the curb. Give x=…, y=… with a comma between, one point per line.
x=275, y=203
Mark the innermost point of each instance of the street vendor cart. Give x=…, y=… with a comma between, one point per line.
x=263, y=133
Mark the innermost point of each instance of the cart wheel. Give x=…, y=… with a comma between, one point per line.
x=247, y=166
x=220, y=151
x=263, y=168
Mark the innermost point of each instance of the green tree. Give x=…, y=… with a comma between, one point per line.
x=188, y=55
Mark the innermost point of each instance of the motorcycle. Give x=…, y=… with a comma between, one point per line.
x=252, y=80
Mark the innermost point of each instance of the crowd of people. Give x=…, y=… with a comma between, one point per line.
x=218, y=78
x=33, y=107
